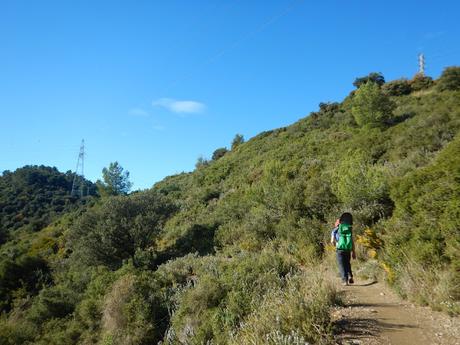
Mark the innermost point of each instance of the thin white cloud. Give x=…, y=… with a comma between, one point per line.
x=159, y=127
x=138, y=112
x=433, y=35
x=181, y=107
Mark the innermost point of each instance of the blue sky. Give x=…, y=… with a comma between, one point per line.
x=156, y=84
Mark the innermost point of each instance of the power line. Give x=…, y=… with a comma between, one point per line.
x=237, y=42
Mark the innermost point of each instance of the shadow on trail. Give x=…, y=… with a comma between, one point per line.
x=371, y=305
x=364, y=284
x=352, y=329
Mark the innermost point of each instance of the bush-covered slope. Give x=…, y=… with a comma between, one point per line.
x=232, y=253
x=423, y=236
x=33, y=196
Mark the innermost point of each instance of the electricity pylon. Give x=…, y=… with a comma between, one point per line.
x=79, y=176
x=421, y=64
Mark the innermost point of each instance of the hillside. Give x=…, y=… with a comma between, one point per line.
x=34, y=196
x=236, y=251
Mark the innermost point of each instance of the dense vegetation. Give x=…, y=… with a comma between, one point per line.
x=33, y=196
x=235, y=252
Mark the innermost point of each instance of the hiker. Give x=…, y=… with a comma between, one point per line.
x=342, y=239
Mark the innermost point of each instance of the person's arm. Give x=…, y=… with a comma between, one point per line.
x=333, y=239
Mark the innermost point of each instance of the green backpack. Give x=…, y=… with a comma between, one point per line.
x=345, y=241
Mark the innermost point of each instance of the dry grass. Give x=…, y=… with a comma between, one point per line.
x=428, y=286
x=114, y=320
x=299, y=313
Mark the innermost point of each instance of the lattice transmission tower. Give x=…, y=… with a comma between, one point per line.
x=421, y=64
x=78, y=184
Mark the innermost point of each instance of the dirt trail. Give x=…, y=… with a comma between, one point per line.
x=375, y=315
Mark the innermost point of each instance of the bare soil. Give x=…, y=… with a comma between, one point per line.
x=375, y=315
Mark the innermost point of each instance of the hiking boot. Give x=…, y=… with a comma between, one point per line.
x=351, y=281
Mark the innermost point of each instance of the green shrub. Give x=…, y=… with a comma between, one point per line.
x=449, y=79
x=421, y=82
x=112, y=232
x=399, y=87
x=222, y=292
x=16, y=333
x=374, y=77
x=26, y=275
x=424, y=229
x=371, y=107
x=55, y=302
x=219, y=153
x=363, y=187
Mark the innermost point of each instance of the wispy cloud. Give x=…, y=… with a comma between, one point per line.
x=159, y=127
x=181, y=107
x=433, y=35
x=138, y=112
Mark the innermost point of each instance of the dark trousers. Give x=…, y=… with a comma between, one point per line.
x=343, y=260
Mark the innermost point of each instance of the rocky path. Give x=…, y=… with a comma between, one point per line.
x=375, y=315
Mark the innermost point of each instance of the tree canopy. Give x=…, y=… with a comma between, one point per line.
x=450, y=79
x=115, y=180
x=371, y=107
x=373, y=77
x=237, y=140
x=33, y=196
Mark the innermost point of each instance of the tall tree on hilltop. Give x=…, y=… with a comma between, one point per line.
x=450, y=79
x=237, y=140
x=374, y=77
x=219, y=153
x=115, y=181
